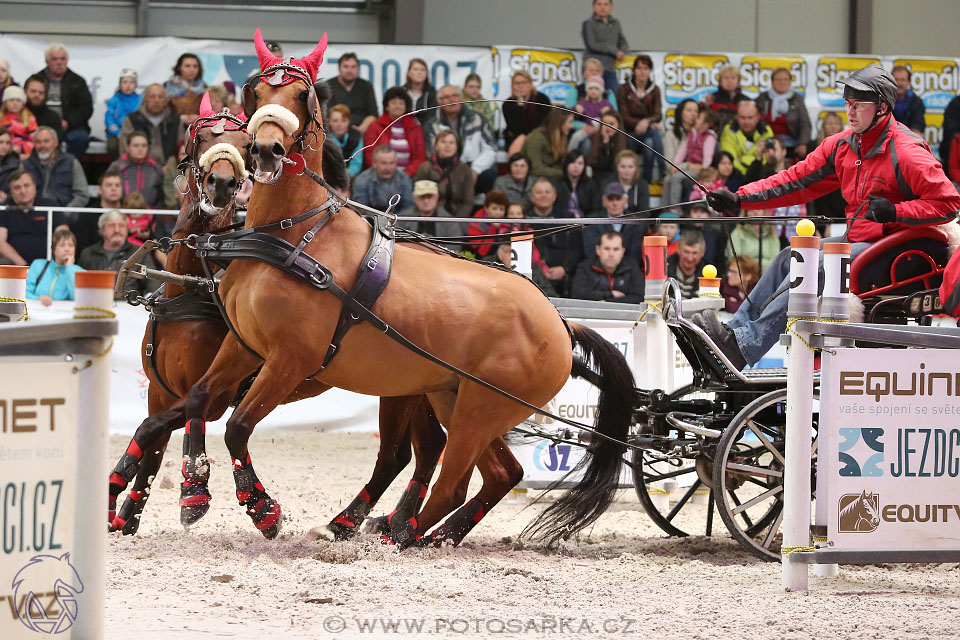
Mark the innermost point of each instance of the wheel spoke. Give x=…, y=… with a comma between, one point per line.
x=683, y=500
x=669, y=474
x=759, y=471
x=744, y=515
x=763, y=439
x=766, y=495
x=768, y=539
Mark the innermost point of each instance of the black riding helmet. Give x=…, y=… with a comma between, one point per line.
x=873, y=83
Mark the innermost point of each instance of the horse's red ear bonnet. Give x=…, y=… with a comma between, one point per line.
x=284, y=74
x=219, y=122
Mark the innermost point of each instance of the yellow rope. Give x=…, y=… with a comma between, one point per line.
x=790, y=550
x=709, y=295
x=26, y=314
x=653, y=491
x=819, y=538
x=793, y=321
x=100, y=314
x=650, y=305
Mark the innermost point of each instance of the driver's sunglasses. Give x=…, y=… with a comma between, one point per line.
x=857, y=105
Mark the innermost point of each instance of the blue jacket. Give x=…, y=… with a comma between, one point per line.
x=57, y=280
x=117, y=109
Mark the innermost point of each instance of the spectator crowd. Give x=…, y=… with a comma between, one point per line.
x=438, y=147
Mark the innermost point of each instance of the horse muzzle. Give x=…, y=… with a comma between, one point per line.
x=267, y=161
x=220, y=191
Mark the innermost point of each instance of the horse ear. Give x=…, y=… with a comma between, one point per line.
x=313, y=61
x=205, y=108
x=266, y=58
x=249, y=100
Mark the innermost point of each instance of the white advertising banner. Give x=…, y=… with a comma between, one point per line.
x=38, y=460
x=892, y=452
x=100, y=62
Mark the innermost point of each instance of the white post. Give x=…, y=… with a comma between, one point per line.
x=13, y=284
x=834, y=305
x=49, y=234
x=521, y=255
x=802, y=303
x=93, y=289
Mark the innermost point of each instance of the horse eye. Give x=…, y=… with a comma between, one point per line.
x=303, y=96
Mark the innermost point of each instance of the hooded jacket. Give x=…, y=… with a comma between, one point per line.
x=118, y=108
x=145, y=176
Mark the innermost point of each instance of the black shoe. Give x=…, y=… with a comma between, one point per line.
x=722, y=335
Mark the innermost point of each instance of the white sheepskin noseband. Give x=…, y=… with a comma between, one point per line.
x=224, y=151
x=280, y=115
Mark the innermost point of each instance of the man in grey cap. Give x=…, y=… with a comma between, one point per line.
x=614, y=205
x=886, y=174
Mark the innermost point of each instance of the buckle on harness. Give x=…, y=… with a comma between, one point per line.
x=286, y=224
x=149, y=350
x=308, y=236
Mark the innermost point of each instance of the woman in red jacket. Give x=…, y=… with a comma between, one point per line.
x=404, y=136
x=888, y=177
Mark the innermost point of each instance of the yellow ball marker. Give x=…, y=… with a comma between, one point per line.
x=709, y=283
x=806, y=228
x=709, y=271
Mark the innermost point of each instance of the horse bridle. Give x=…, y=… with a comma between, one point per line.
x=278, y=75
x=217, y=123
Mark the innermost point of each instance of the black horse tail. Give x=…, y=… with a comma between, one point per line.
x=578, y=508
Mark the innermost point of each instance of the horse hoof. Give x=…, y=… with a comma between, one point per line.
x=405, y=535
x=130, y=528
x=341, y=530
x=267, y=516
x=194, y=502
x=190, y=515
x=377, y=525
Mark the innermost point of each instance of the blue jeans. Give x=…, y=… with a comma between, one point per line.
x=654, y=139
x=77, y=141
x=757, y=332
x=610, y=81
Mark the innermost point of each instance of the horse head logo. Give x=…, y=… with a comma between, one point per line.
x=46, y=588
x=859, y=513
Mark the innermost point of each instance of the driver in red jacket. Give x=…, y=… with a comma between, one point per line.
x=886, y=174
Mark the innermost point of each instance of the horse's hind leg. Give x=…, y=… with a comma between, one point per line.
x=275, y=382
x=501, y=472
x=428, y=441
x=150, y=436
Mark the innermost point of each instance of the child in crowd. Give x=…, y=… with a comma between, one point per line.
x=725, y=171
x=18, y=120
x=124, y=101
x=742, y=276
x=593, y=104
x=669, y=228
x=494, y=207
x=696, y=149
x=139, y=222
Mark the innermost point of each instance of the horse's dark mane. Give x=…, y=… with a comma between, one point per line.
x=334, y=166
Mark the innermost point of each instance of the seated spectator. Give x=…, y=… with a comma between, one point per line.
x=18, y=120
x=426, y=204
x=477, y=148
x=603, y=39
x=561, y=252
x=576, y=188
x=138, y=171
x=784, y=110
x=742, y=276
x=516, y=183
x=951, y=126
x=36, y=89
x=593, y=104
x=628, y=175
x=591, y=67
x=49, y=280
x=402, y=134
x=831, y=205
x=744, y=139
x=110, y=254
x=685, y=118
x=124, y=102
x=710, y=178
x=6, y=80
x=668, y=227
x=158, y=121
x=422, y=94
x=187, y=77
x=527, y=111
x=453, y=177
x=695, y=152
x=23, y=231
x=614, y=204
x=174, y=185
x=760, y=242
x=714, y=235
x=58, y=175
x=9, y=162
x=774, y=157
x=726, y=172
x=728, y=95
x=140, y=224
x=353, y=91
x=908, y=109
x=547, y=145
x=111, y=197
x=68, y=95
x=608, y=275
x=471, y=91
x=495, y=206
x=349, y=139
x=375, y=186
x=639, y=102
x=954, y=165
x=605, y=145
x=222, y=98
x=686, y=265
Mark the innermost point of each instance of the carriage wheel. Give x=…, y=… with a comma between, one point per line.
x=648, y=468
x=748, y=472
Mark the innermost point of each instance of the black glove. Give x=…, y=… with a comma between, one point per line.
x=880, y=210
x=723, y=201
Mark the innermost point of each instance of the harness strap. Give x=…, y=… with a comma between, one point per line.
x=151, y=358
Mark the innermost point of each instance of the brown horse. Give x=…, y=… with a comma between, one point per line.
x=495, y=325
x=185, y=342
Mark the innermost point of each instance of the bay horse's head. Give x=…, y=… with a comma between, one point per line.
x=217, y=148
x=283, y=109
